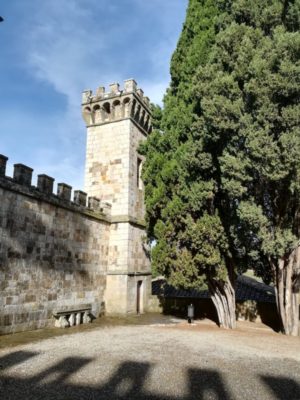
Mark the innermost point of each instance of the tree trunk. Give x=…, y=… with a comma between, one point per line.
x=286, y=288
x=223, y=297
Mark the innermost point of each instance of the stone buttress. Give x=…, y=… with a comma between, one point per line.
x=117, y=121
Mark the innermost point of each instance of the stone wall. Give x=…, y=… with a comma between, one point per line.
x=117, y=121
x=107, y=164
x=58, y=254
x=53, y=251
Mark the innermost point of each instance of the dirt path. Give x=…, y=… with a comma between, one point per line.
x=160, y=360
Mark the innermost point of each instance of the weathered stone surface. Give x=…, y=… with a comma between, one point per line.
x=63, y=322
x=116, y=124
x=80, y=197
x=64, y=191
x=3, y=161
x=78, y=318
x=22, y=174
x=94, y=203
x=50, y=258
x=56, y=254
x=45, y=184
x=86, y=318
x=72, y=319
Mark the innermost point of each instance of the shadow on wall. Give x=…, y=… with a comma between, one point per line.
x=127, y=382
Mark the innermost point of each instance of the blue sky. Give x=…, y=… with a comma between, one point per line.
x=51, y=50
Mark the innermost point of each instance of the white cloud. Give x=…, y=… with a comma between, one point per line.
x=72, y=51
x=74, y=45
x=64, y=47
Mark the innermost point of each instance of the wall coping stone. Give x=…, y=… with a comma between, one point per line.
x=33, y=192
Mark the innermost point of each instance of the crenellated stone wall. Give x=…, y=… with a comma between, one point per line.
x=104, y=107
x=64, y=257
x=53, y=251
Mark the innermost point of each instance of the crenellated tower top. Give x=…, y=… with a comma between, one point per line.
x=115, y=105
x=118, y=120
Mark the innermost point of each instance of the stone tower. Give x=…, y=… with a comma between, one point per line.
x=117, y=121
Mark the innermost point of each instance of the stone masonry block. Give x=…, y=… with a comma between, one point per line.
x=3, y=161
x=106, y=208
x=80, y=197
x=94, y=203
x=100, y=91
x=86, y=95
x=22, y=174
x=45, y=184
x=114, y=88
x=130, y=85
x=64, y=191
x=140, y=92
x=147, y=101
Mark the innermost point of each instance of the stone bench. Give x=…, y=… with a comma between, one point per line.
x=64, y=319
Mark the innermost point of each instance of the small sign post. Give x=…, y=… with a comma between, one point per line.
x=191, y=313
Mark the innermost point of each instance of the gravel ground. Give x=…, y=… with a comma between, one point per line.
x=164, y=360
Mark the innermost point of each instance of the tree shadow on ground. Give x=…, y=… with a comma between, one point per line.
x=15, y=358
x=129, y=381
x=282, y=387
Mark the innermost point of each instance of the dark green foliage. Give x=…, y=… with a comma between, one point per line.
x=248, y=101
x=195, y=41
x=223, y=171
x=248, y=95
x=178, y=184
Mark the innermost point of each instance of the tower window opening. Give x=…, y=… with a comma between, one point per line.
x=139, y=182
x=106, y=107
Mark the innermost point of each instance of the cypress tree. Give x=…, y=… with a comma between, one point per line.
x=249, y=113
x=182, y=209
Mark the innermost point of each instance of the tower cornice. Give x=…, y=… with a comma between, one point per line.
x=116, y=105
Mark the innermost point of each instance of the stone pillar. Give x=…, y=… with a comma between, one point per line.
x=100, y=91
x=45, y=184
x=86, y=318
x=63, y=322
x=78, y=318
x=3, y=161
x=94, y=203
x=22, y=174
x=147, y=101
x=140, y=92
x=106, y=208
x=64, y=191
x=72, y=319
x=114, y=88
x=130, y=85
x=80, y=198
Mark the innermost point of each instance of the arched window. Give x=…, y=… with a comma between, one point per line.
x=137, y=113
x=132, y=111
x=139, y=182
x=126, y=107
x=142, y=118
x=87, y=113
x=97, y=114
x=146, y=125
x=117, y=109
x=107, y=111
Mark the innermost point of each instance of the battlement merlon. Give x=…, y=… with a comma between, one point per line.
x=116, y=104
x=21, y=182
